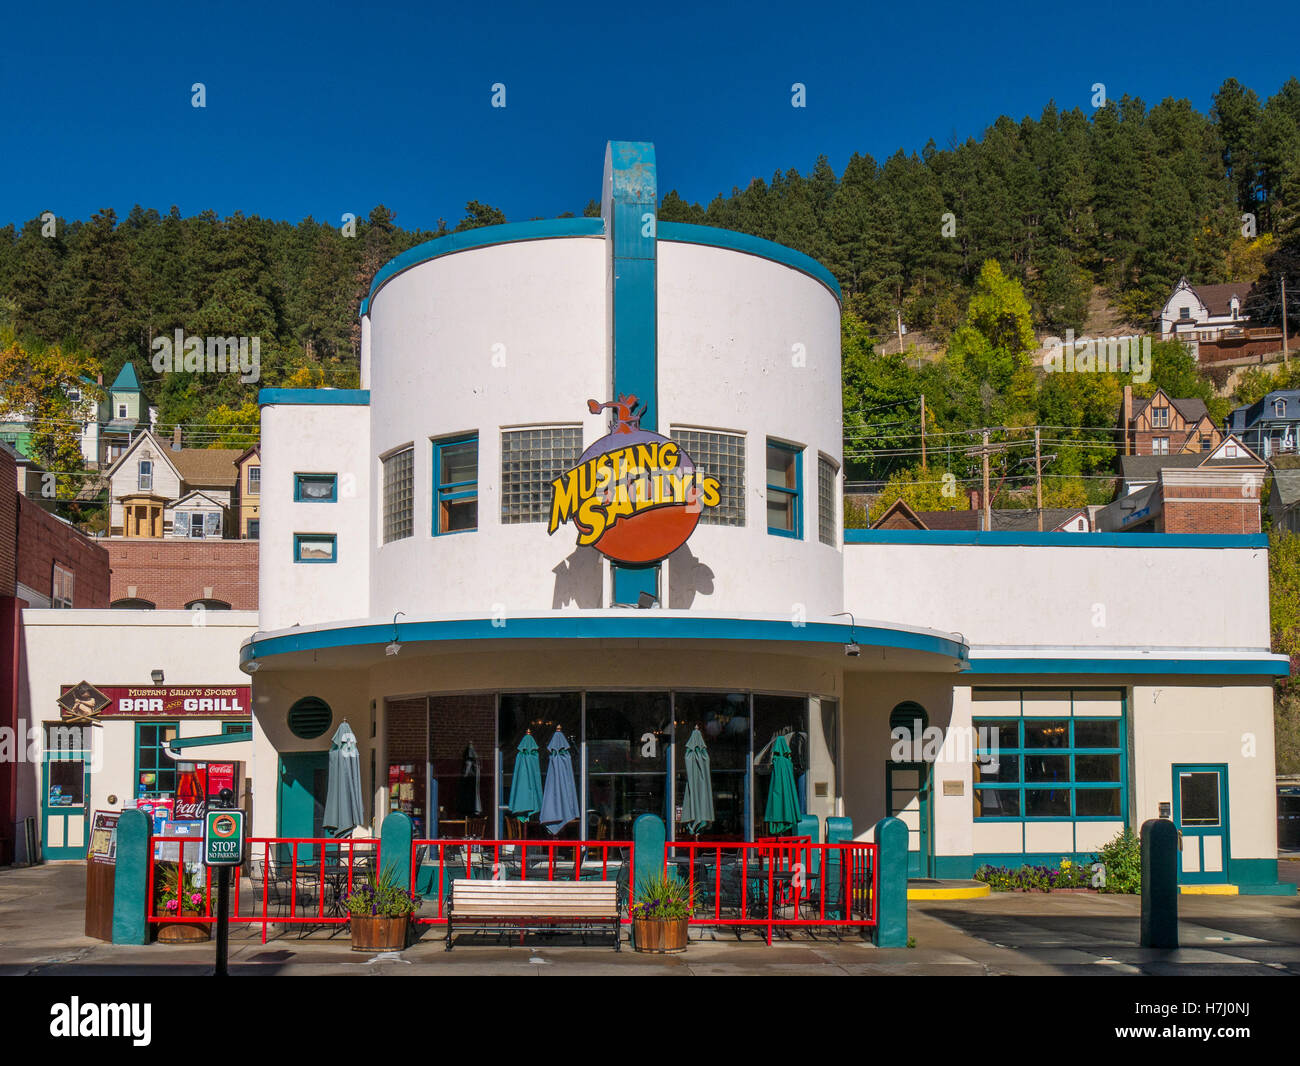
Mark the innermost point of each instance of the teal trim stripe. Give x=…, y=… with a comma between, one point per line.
x=687, y=233
x=632, y=213
x=322, y=397
x=639, y=625
x=482, y=237
x=1274, y=666
x=202, y=742
x=1057, y=540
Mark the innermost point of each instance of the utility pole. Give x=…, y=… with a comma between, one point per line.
x=898, y=311
x=984, y=451
x=1038, y=474
x=988, y=513
x=1286, y=355
x=922, y=431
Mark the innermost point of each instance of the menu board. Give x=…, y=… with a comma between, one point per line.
x=103, y=838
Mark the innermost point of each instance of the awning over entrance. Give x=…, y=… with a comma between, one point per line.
x=862, y=645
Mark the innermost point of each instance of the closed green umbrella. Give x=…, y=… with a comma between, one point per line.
x=526, y=781
x=697, y=803
x=343, y=810
x=782, y=814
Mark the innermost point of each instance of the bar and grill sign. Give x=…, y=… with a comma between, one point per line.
x=223, y=838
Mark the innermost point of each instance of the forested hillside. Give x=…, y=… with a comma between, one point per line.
x=1126, y=198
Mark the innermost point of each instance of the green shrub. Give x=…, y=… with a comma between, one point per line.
x=1122, y=859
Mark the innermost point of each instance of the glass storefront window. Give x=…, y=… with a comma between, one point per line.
x=723, y=721
x=628, y=738
x=542, y=713
x=785, y=716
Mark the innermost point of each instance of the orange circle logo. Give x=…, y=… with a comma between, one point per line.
x=635, y=496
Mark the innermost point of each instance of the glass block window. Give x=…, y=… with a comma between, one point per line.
x=825, y=500
x=399, y=495
x=530, y=460
x=719, y=455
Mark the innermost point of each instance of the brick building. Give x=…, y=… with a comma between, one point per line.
x=178, y=574
x=44, y=562
x=1165, y=425
x=1189, y=493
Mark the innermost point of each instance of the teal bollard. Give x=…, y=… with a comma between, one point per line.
x=131, y=878
x=808, y=826
x=395, y=837
x=649, y=834
x=891, y=905
x=1159, y=884
x=839, y=830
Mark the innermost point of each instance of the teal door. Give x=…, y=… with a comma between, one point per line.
x=65, y=803
x=907, y=797
x=303, y=779
x=1201, y=815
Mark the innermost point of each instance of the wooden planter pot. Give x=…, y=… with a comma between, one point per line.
x=659, y=936
x=378, y=934
x=184, y=932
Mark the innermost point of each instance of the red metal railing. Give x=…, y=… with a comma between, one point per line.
x=309, y=877
x=435, y=863
x=771, y=883
x=767, y=884
x=779, y=883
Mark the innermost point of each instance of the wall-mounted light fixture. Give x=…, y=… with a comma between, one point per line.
x=157, y=676
x=395, y=646
x=851, y=648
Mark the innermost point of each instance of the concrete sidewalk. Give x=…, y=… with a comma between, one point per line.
x=41, y=922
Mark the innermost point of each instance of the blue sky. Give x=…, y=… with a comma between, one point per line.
x=317, y=109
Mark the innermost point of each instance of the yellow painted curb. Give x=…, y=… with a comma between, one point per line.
x=1208, y=890
x=963, y=892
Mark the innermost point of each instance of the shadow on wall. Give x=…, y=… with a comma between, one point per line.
x=578, y=580
x=687, y=578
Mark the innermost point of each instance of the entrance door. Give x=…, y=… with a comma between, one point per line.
x=907, y=797
x=65, y=796
x=304, y=777
x=1201, y=815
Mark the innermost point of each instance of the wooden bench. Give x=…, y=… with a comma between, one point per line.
x=533, y=906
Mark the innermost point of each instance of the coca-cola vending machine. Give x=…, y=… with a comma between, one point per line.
x=198, y=786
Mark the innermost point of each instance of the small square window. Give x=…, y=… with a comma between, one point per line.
x=315, y=488
x=315, y=548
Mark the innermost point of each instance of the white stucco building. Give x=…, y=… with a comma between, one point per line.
x=422, y=578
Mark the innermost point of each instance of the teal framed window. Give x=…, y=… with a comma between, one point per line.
x=455, y=485
x=315, y=488
x=784, y=501
x=1070, y=766
x=155, y=770
x=315, y=548
x=236, y=728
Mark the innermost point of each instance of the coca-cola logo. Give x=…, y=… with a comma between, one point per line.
x=185, y=812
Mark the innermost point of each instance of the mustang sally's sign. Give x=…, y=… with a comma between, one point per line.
x=84, y=703
x=636, y=497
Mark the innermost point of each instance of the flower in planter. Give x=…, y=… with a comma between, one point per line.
x=379, y=896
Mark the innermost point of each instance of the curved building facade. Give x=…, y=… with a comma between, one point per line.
x=591, y=485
